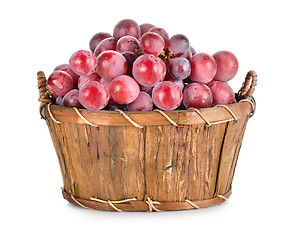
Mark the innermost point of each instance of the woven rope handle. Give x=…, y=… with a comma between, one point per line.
x=44, y=95
x=248, y=86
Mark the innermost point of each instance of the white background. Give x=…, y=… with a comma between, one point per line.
x=39, y=35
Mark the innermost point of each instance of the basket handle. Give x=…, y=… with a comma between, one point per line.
x=44, y=94
x=248, y=86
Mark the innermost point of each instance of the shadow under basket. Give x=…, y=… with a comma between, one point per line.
x=148, y=161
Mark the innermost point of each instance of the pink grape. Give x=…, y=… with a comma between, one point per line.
x=227, y=65
x=203, y=68
x=71, y=99
x=107, y=44
x=97, y=38
x=66, y=68
x=83, y=62
x=149, y=70
x=222, y=93
x=127, y=43
x=145, y=27
x=178, y=45
x=124, y=89
x=197, y=95
x=167, y=95
x=92, y=77
x=130, y=57
x=126, y=27
x=93, y=96
x=162, y=33
x=179, y=68
x=59, y=83
x=152, y=43
x=142, y=103
x=111, y=64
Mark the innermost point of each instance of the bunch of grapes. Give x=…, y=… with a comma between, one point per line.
x=140, y=68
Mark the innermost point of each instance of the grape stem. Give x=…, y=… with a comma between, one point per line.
x=166, y=56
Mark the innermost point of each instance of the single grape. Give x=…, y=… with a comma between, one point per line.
x=111, y=64
x=189, y=53
x=97, y=38
x=59, y=101
x=93, y=96
x=178, y=45
x=71, y=99
x=107, y=84
x=59, y=83
x=130, y=57
x=66, y=68
x=167, y=95
x=148, y=90
x=227, y=65
x=179, y=68
x=145, y=27
x=126, y=27
x=149, y=70
x=83, y=62
x=169, y=78
x=222, y=93
x=106, y=44
x=197, y=95
x=151, y=43
x=162, y=33
x=142, y=103
x=203, y=68
x=124, y=89
x=92, y=77
x=127, y=43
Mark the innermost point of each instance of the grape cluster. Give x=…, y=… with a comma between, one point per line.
x=140, y=68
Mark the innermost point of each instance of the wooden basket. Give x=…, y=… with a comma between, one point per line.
x=148, y=161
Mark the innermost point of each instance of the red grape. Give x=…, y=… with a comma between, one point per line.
x=203, y=68
x=222, y=93
x=148, y=90
x=149, y=70
x=227, y=65
x=107, y=84
x=178, y=45
x=127, y=43
x=145, y=27
x=107, y=44
x=126, y=27
x=189, y=53
x=130, y=57
x=59, y=83
x=197, y=95
x=167, y=95
x=92, y=77
x=179, y=68
x=151, y=43
x=93, y=96
x=124, y=89
x=142, y=103
x=66, y=68
x=83, y=62
x=71, y=99
x=59, y=101
x=162, y=33
x=96, y=39
x=169, y=78
x=111, y=64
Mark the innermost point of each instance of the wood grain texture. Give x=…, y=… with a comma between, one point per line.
x=164, y=162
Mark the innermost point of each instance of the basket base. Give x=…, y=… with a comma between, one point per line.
x=149, y=205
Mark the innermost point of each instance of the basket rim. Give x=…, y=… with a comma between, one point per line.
x=211, y=115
